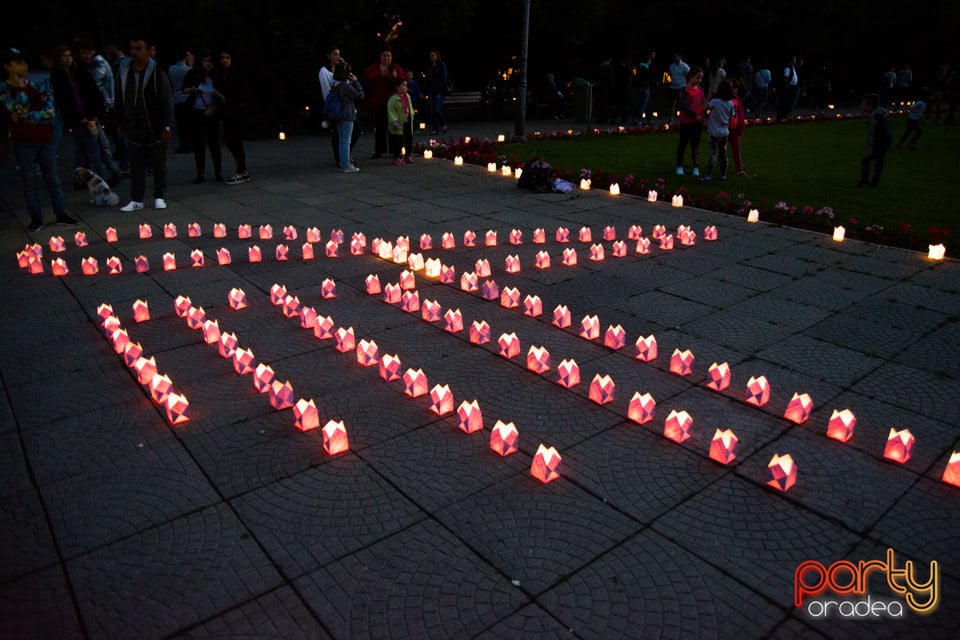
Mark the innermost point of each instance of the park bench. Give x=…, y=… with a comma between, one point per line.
x=471, y=101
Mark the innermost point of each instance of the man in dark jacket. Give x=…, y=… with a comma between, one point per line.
x=144, y=105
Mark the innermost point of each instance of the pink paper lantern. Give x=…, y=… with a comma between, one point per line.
x=511, y=264
x=414, y=383
x=345, y=339
x=336, y=235
x=677, y=426
x=539, y=236
x=306, y=251
x=415, y=261
x=89, y=266
x=448, y=275
x=332, y=249
x=277, y=294
x=196, y=258
x=781, y=472
x=453, y=321
x=244, y=232
x=313, y=235
x=503, y=438
x=718, y=376
x=615, y=337
x=289, y=233
x=641, y=408
x=569, y=257
x=619, y=249
x=532, y=306
x=169, y=262
x=308, y=317
x=58, y=267
x=211, y=331
x=538, y=359
x=479, y=332
x=146, y=231
x=243, y=361
x=111, y=234
x=402, y=242
x=178, y=408
x=490, y=239
x=266, y=232
x=431, y=268
x=723, y=447
x=356, y=248
x=110, y=324
x=689, y=238
x=609, y=234
x=119, y=339
x=323, y=328
x=375, y=248
x=516, y=236
x=410, y=301
x=546, y=464
x=80, y=239
x=899, y=446
x=562, y=235
x=104, y=311
x=646, y=348
x=568, y=373
x=223, y=256
x=469, y=282
x=469, y=417
x=585, y=234
x=602, y=389
x=407, y=280
x=469, y=238
x=227, y=345
x=132, y=351
x=145, y=368
x=141, y=311
x=758, y=391
x=372, y=284
x=335, y=438
x=482, y=268
x=368, y=354
x=596, y=252
x=509, y=345
x=193, y=230
x=169, y=230
x=182, y=305
x=542, y=260
x=658, y=232
x=237, y=299
x=509, y=298
x=561, y=317
x=328, y=289
x=634, y=232
x=282, y=253
x=254, y=254
x=951, y=473
x=798, y=409
x=390, y=367
x=219, y=230
x=291, y=306
x=280, y=395
x=426, y=242
x=841, y=425
x=392, y=293
x=196, y=316
x=160, y=388
x=710, y=233
x=447, y=241
x=643, y=246
x=681, y=362
x=441, y=400
x=666, y=242
x=305, y=415
x=590, y=327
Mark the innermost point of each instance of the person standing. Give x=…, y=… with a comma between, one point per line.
x=436, y=91
x=913, y=120
x=790, y=85
x=348, y=89
x=878, y=140
x=691, y=105
x=326, y=81
x=722, y=111
x=206, y=102
x=81, y=107
x=29, y=111
x=738, y=124
x=400, y=117
x=678, y=71
x=642, y=82
x=145, y=111
x=234, y=96
x=181, y=107
x=761, y=87
x=99, y=69
x=379, y=80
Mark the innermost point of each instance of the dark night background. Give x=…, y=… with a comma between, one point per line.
x=278, y=45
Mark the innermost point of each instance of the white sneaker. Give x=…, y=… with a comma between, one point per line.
x=696, y=171
x=133, y=205
x=159, y=203
x=349, y=169
x=679, y=171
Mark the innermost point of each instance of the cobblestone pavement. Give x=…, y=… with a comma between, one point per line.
x=117, y=523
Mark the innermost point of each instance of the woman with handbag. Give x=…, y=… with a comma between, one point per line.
x=204, y=115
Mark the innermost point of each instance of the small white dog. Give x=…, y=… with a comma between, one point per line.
x=100, y=193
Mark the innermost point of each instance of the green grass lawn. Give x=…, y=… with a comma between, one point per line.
x=815, y=164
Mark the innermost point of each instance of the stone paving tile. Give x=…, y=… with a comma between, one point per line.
x=704, y=350
x=23, y=527
x=34, y=606
x=736, y=330
x=936, y=352
x=650, y=587
x=536, y=535
x=750, y=277
x=14, y=473
x=420, y=582
x=7, y=422
x=753, y=533
x=936, y=297
x=913, y=389
x=324, y=513
x=779, y=263
x=825, y=360
x=669, y=310
x=876, y=338
x=710, y=291
x=223, y=398
x=883, y=266
x=530, y=621
x=941, y=276
x=171, y=576
x=280, y=614
x=791, y=629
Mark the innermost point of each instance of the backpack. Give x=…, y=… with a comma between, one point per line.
x=333, y=106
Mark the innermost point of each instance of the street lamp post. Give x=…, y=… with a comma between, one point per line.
x=520, y=132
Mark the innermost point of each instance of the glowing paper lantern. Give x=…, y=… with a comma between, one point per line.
x=441, y=400
x=237, y=299
x=585, y=234
x=618, y=249
x=469, y=238
x=509, y=298
x=652, y=196
x=798, y=409
x=223, y=256
x=658, y=231
x=677, y=426
x=538, y=359
x=160, y=388
x=615, y=337
x=634, y=232
x=431, y=268
x=289, y=233
x=178, y=408
x=111, y=234
x=291, y=306
x=503, y=438
x=539, y=236
x=277, y=293
x=426, y=242
x=563, y=234
x=546, y=464
x=415, y=261
x=410, y=301
x=841, y=425
x=211, y=331
x=244, y=232
x=193, y=230
x=781, y=472
x=392, y=293
x=169, y=262
x=482, y=268
x=561, y=317
x=643, y=246
x=336, y=235
x=263, y=378
x=414, y=383
x=36, y=265
x=602, y=389
x=182, y=305
x=104, y=311
x=469, y=417
x=511, y=264
x=141, y=263
x=58, y=267
x=323, y=328
x=569, y=257
x=753, y=216
x=517, y=173
x=469, y=282
x=936, y=251
x=399, y=255
x=266, y=232
x=491, y=167
x=345, y=339
x=532, y=306
x=243, y=360
x=509, y=345
x=453, y=321
x=254, y=254
x=839, y=232
x=227, y=345
x=430, y=310
x=280, y=395
x=609, y=234
x=951, y=474
x=308, y=317
x=641, y=408
x=447, y=241
x=666, y=242
x=119, y=339
x=145, y=231
x=335, y=438
x=677, y=201
x=141, y=310
x=132, y=351
x=169, y=230
x=646, y=348
x=332, y=249
x=372, y=284
x=723, y=447
x=282, y=252
x=596, y=252
x=146, y=369
x=196, y=316
x=328, y=289
x=390, y=367
x=590, y=327
x=681, y=362
x=407, y=280
x=758, y=391
x=80, y=239
x=585, y=184
x=542, y=260
x=219, y=230
x=479, y=332
x=899, y=446
x=427, y=153
x=516, y=236
x=568, y=373
x=718, y=376
x=305, y=415
x=196, y=258
x=448, y=275
x=313, y=235
x=710, y=233
x=368, y=354
x=689, y=238
x=490, y=239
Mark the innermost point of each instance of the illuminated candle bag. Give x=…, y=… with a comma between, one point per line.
x=414, y=383
x=430, y=311
x=448, y=274
x=368, y=354
x=390, y=367
x=618, y=249
x=193, y=230
x=289, y=233
x=689, y=238
x=753, y=216
x=723, y=447
x=652, y=196
x=336, y=235
x=399, y=255
x=458, y=161
x=469, y=238
x=491, y=167
x=453, y=321
x=936, y=251
x=710, y=233
x=243, y=360
x=758, y=391
x=509, y=298
x=392, y=293
x=641, y=408
x=615, y=337
x=646, y=348
x=781, y=472
x=469, y=282
x=634, y=232
x=415, y=261
x=291, y=306
x=146, y=369
x=569, y=257
x=590, y=327
x=516, y=236
x=277, y=293
x=328, y=289
x=602, y=389
x=313, y=235
x=254, y=254
x=282, y=252
x=169, y=262
x=538, y=359
x=308, y=317
x=223, y=256
x=951, y=474
x=141, y=310
x=372, y=284
x=219, y=230
x=568, y=373
x=431, y=268
x=546, y=464
x=441, y=400
x=119, y=340
x=609, y=234
x=427, y=153
x=511, y=264
x=490, y=239
x=798, y=409
x=479, y=332
x=160, y=387
x=585, y=184
x=280, y=395
x=182, y=305
x=562, y=235
x=517, y=173
x=58, y=267
x=104, y=311
x=305, y=415
x=839, y=232
x=146, y=231
x=469, y=417
x=196, y=258
x=335, y=438
x=532, y=306
x=503, y=438
x=681, y=362
x=585, y=234
x=718, y=376
x=509, y=345
x=345, y=339
x=244, y=232
x=323, y=328
x=410, y=301
x=447, y=241
x=561, y=317
x=658, y=231
x=178, y=408
x=643, y=246
x=841, y=425
x=132, y=351
x=80, y=239
x=227, y=345
x=539, y=235
x=596, y=252
x=111, y=234
x=482, y=268
x=266, y=232
x=196, y=316
x=666, y=242
x=332, y=249
x=211, y=331
x=426, y=242
x=542, y=260
x=677, y=201
x=899, y=446
x=169, y=230
x=36, y=265
x=237, y=299
x=407, y=280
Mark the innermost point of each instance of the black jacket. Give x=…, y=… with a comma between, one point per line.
x=157, y=99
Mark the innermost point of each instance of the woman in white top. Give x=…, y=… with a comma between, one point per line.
x=204, y=115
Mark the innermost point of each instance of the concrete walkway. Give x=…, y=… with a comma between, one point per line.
x=117, y=524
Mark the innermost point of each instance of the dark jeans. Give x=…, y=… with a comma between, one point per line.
x=335, y=139
x=87, y=150
x=690, y=133
x=233, y=136
x=437, y=121
x=399, y=140
x=644, y=99
x=33, y=156
x=206, y=132
x=140, y=155
x=718, y=153
x=381, y=133
x=878, y=156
